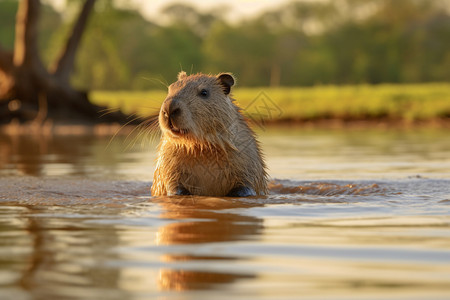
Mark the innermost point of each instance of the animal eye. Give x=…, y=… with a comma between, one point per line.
x=204, y=93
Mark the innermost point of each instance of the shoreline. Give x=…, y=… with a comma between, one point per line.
x=49, y=127
x=337, y=123
x=108, y=129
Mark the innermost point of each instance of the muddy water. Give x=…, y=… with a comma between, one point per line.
x=355, y=214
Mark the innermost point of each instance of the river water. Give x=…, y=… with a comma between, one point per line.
x=352, y=214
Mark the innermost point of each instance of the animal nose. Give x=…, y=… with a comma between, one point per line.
x=171, y=109
x=174, y=112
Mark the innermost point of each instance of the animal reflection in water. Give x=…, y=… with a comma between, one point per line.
x=206, y=225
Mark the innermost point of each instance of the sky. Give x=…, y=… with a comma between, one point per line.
x=238, y=8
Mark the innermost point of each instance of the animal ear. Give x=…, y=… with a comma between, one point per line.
x=226, y=80
x=182, y=75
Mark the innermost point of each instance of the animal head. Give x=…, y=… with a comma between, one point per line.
x=198, y=109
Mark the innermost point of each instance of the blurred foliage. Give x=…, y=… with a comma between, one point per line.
x=298, y=44
x=405, y=102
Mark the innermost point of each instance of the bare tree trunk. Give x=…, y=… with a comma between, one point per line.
x=29, y=72
x=26, y=42
x=65, y=63
x=6, y=70
x=36, y=93
x=6, y=60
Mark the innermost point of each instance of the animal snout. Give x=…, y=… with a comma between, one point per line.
x=171, y=111
x=171, y=108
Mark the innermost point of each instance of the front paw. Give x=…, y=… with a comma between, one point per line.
x=241, y=191
x=179, y=191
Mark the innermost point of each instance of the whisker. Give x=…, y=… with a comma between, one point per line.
x=149, y=132
x=107, y=111
x=143, y=128
x=165, y=84
x=151, y=129
x=129, y=146
x=133, y=142
x=118, y=130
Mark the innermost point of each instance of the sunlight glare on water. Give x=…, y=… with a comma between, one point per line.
x=353, y=214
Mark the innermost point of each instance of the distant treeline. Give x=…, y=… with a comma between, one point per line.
x=298, y=44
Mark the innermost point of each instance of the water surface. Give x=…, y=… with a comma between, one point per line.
x=353, y=214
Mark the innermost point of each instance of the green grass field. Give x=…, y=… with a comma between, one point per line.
x=410, y=102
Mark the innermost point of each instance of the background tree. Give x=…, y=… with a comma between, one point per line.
x=28, y=89
x=299, y=43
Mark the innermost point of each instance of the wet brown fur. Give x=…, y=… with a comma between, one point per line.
x=213, y=149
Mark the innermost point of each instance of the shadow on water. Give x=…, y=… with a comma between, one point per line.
x=30, y=155
x=50, y=256
x=73, y=155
